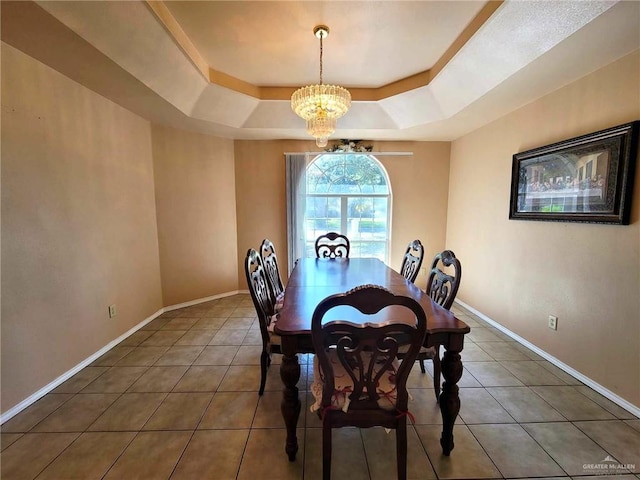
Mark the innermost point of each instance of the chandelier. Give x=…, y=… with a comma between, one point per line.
x=321, y=105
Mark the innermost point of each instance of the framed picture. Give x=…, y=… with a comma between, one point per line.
x=584, y=179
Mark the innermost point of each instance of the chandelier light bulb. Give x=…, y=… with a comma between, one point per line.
x=321, y=105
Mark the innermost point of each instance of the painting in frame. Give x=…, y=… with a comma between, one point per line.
x=583, y=179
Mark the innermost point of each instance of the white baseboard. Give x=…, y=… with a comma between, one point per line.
x=628, y=406
x=13, y=411
x=202, y=300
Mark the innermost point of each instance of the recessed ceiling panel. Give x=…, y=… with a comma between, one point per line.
x=370, y=43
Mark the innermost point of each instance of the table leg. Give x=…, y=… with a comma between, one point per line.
x=290, y=406
x=449, y=399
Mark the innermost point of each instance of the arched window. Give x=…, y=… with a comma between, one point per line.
x=350, y=194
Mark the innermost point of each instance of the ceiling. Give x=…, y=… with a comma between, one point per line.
x=417, y=70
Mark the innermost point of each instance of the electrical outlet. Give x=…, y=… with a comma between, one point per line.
x=553, y=322
x=112, y=310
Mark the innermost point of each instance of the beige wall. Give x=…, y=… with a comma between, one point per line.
x=196, y=211
x=419, y=185
x=78, y=224
x=519, y=272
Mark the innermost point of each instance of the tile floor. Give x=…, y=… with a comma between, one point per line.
x=178, y=399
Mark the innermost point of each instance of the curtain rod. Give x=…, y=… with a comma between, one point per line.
x=396, y=154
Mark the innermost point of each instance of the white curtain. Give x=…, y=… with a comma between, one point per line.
x=296, y=165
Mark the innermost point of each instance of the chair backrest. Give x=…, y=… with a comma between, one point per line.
x=270, y=263
x=332, y=245
x=259, y=290
x=412, y=260
x=370, y=344
x=443, y=287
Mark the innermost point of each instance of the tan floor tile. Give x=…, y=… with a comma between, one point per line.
x=179, y=411
x=568, y=446
x=160, y=322
x=80, y=380
x=241, y=379
x=35, y=413
x=531, y=373
x=229, y=337
x=380, y=448
x=524, y=405
x=348, y=459
x=618, y=438
x=529, y=353
x=143, y=356
x=170, y=314
x=179, y=323
x=238, y=323
x=230, y=410
x=151, y=455
x=523, y=456
x=201, y=379
x=89, y=457
x=163, y=338
x=27, y=457
x=423, y=406
x=477, y=406
x=196, y=337
x=561, y=374
x=473, y=353
x=7, y=439
x=482, y=334
x=221, y=311
x=492, y=374
x=78, y=413
x=502, y=351
x=633, y=423
x=247, y=355
x=268, y=413
x=269, y=443
x=112, y=357
x=253, y=337
x=128, y=413
x=467, y=460
x=246, y=312
x=217, y=355
x=159, y=379
x=417, y=379
x=180, y=355
x=572, y=404
x=605, y=403
x=212, y=454
x=209, y=323
x=115, y=380
x=136, y=338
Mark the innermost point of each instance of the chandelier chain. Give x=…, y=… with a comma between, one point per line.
x=321, y=59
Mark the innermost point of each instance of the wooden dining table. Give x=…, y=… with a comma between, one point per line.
x=314, y=279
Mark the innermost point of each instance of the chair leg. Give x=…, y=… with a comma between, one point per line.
x=422, y=366
x=264, y=364
x=401, y=448
x=436, y=373
x=326, y=452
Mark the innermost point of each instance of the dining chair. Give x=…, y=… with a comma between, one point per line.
x=270, y=262
x=332, y=245
x=358, y=381
x=412, y=260
x=264, y=305
x=442, y=288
